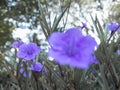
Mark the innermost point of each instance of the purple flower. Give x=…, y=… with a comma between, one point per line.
x=17, y=44
x=118, y=52
x=22, y=70
x=36, y=67
x=25, y=74
x=72, y=48
x=113, y=26
x=28, y=51
x=83, y=25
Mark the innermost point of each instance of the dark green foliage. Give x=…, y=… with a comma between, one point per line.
x=5, y=32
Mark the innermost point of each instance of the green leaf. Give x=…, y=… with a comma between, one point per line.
x=57, y=20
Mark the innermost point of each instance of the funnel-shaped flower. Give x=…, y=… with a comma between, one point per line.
x=72, y=48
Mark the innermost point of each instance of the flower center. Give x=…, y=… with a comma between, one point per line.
x=30, y=52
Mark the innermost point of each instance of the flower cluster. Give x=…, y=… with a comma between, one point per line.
x=72, y=48
x=28, y=52
x=34, y=66
x=67, y=48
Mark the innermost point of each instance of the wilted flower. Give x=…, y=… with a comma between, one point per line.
x=113, y=26
x=36, y=67
x=28, y=51
x=17, y=44
x=72, y=48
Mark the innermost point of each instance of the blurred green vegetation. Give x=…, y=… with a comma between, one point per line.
x=5, y=32
x=115, y=12
x=6, y=27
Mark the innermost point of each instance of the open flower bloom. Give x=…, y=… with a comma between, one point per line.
x=28, y=51
x=72, y=48
x=36, y=67
x=113, y=26
x=17, y=44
